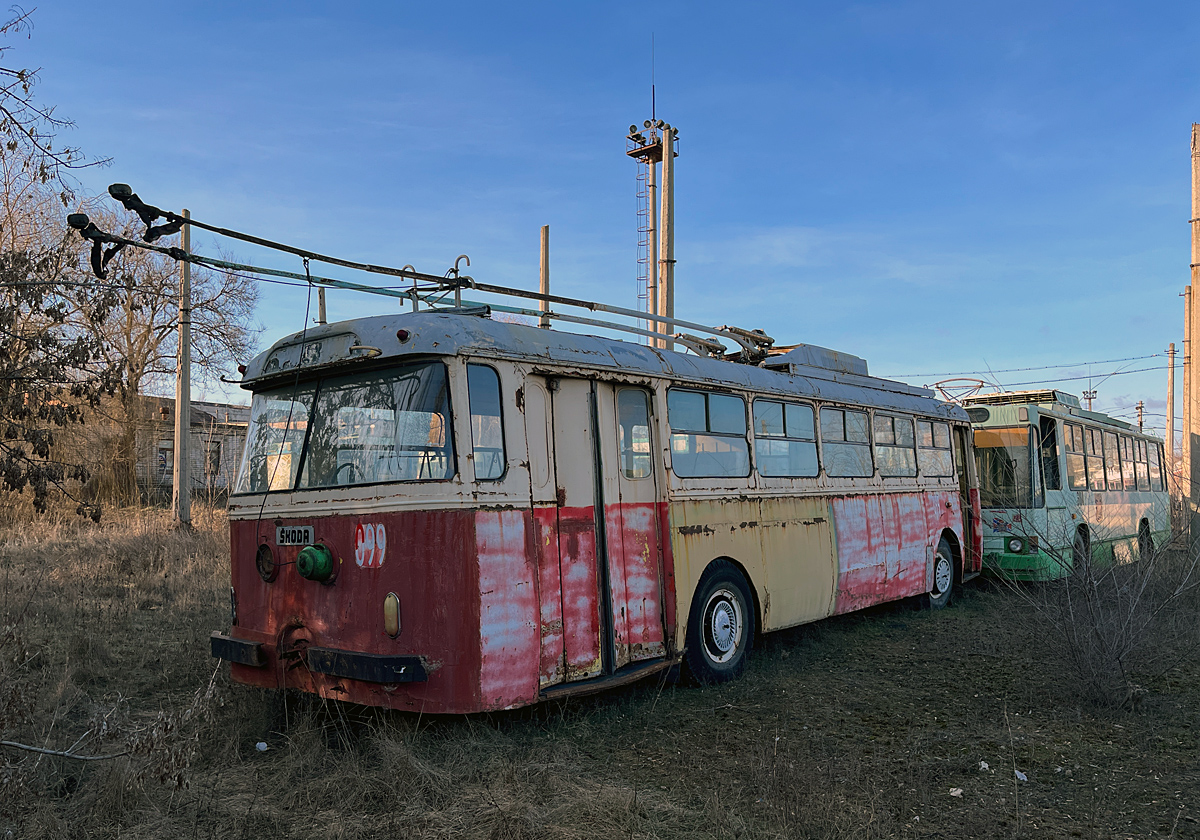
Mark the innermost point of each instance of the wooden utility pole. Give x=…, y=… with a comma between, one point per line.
x=1171, y=418
x=181, y=499
x=666, y=250
x=544, y=277
x=1185, y=444
x=1192, y=430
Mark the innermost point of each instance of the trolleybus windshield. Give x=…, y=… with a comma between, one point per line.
x=359, y=429
x=1004, y=460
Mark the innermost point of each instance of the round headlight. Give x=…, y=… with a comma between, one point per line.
x=1016, y=546
x=264, y=561
x=315, y=562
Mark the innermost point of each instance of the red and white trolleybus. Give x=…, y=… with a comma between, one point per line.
x=440, y=511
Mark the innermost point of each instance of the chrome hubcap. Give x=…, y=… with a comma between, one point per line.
x=943, y=574
x=723, y=625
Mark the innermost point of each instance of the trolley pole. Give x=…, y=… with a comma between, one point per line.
x=1192, y=431
x=181, y=501
x=544, y=277
x=666, y=251
x=1171, y=419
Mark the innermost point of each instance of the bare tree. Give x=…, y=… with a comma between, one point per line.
x=52, y=370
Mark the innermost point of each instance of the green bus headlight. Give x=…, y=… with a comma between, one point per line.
x=1016, y=546
x=315, y=562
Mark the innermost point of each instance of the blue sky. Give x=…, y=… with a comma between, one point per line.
x=938, y=187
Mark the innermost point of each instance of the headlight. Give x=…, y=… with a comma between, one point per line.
x=315, y=562
x=1016, y=546
x=264, y=561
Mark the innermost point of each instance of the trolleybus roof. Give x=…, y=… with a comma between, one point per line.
x=802, y=371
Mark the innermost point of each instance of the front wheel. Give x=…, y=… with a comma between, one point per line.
x=943, y=576
x=720, y=625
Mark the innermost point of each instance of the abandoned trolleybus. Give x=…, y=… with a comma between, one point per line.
x=1062, y=486
x=439, y=511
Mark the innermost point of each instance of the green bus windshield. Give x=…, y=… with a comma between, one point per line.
x=1004, y=461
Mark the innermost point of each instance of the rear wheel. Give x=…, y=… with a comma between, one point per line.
x=943, y=576
x=720, y=624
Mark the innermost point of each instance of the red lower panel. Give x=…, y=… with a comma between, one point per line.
x=883, y=541
x=510, y=637
x=429, y=561
x=580, y=591
x=496, y=603
x=545, y=547
x=636, y=573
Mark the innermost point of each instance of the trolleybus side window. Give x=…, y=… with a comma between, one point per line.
x=895, y=448
x=1112, y=461
x=487, y=424
x=785, y=440
x=1076, y=468
x=933, y=448
x=633, y=430
x=1049, y=449
x=1156, y=482
x=1005, y=464
x=1127, y=459
x=274, y=440
x=708, y=435
x=1141, y=467
x=845, y=443
x=1093, y=451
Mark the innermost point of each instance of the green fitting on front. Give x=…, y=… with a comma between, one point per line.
x=315, y=562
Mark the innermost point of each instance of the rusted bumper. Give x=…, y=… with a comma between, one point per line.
x=368, y=667
x=241, y=651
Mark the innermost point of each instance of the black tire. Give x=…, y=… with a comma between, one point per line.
x=943, y=577
x=720, y=625
x=1145, y=542
x=1081, y=552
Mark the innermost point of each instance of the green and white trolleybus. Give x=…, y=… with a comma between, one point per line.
x=1061, y=486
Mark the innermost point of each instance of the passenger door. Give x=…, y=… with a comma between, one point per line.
x=632, y=522
x=596, y=513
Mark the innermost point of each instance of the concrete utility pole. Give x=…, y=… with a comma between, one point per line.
x=1192, y=430
x=181, y=498
x=1171, y=416
x=666, y=250
x=320, y=304
x=544, y=277
x=1140, y=406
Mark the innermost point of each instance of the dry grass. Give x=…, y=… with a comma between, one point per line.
x=858, y=727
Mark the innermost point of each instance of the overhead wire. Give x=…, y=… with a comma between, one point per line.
x=1025, y=369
